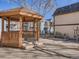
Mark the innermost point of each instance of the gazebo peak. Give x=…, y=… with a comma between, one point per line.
x=20, y=9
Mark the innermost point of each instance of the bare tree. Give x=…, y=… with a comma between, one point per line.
x=21, y=3
x=41, y=6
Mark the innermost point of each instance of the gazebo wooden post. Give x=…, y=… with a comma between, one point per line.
x=34, y=28
x=37, y=30
x=2, y=30
x=20, y=32
x=8, y=19
x=2, y=24
x=34, y=32
x=8, y=24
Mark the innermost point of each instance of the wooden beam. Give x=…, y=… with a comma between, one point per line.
x=20, y=32
x=21, y=24
x=2, y=31
x=8, y=24
x=34, y=28
x=37, y=29
x=2, y=24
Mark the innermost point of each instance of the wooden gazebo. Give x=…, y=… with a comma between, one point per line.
x=21, y=15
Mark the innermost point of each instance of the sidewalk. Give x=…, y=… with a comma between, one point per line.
x=61, y=43
x=52, y=50
x=65, y=48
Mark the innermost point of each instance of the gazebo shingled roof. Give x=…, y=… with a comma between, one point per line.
x=20, y=11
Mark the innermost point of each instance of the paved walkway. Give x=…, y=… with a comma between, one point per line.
x=51, y=50
x=64, y=48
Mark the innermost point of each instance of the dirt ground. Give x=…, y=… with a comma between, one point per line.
x=52, y=50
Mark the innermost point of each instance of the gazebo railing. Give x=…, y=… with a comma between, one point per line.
x=10, y=39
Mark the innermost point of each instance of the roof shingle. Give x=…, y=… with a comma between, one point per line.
x=67, y=9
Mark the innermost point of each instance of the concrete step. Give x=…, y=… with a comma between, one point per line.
x=30, y=45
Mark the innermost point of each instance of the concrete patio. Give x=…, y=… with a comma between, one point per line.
x=52, y=50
